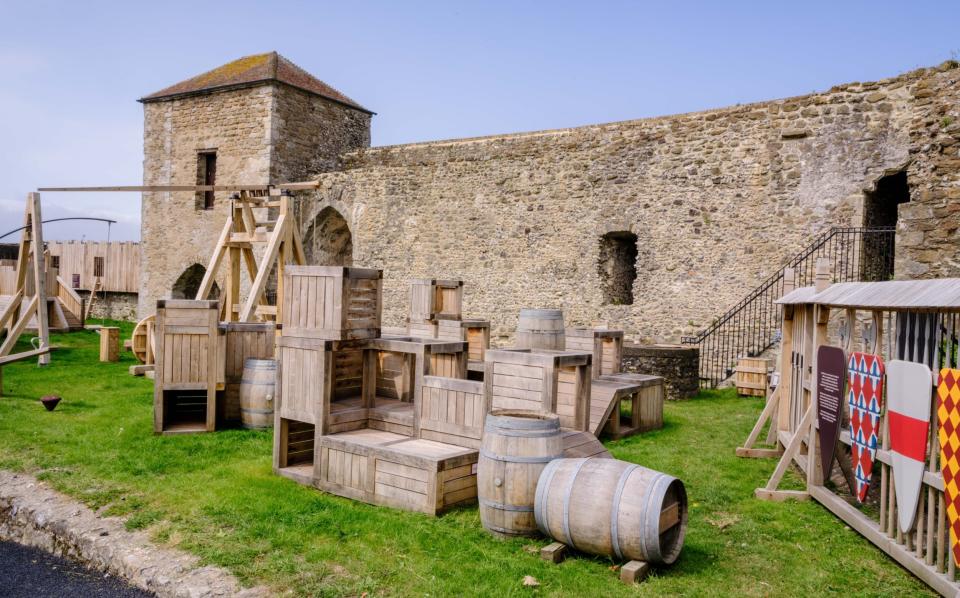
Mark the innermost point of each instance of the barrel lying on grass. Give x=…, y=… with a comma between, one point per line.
x=612, y=508
x=517, y=445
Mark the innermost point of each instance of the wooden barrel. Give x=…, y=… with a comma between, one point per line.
x=612, y=508
x=256, y=393
x=541, y=329
x=516, y=446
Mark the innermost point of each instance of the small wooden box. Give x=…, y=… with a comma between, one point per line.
x=186, y=373
x=109, y=344
x=422, y=329
x=752, y=376
x=452, y=411
x=644, y=400
x=331, y=302
x=606, y=346
x=542, y=380
x=475, y=332
x=432, y=299
x=390, y=470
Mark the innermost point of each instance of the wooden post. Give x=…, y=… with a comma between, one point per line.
x=109, y=344
x=39, y=276
x=785, y=387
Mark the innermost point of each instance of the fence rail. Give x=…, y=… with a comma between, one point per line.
x=753, y=325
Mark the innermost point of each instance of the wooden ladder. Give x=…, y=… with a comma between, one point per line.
x=97, y=286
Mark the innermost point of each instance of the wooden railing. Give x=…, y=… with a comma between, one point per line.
x=70, y=300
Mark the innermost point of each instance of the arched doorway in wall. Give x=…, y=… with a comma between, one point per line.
x=880, y=210
x=327, y=241
x=188, y=283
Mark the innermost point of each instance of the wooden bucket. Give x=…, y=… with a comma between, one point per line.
x=516, y=446
x=256, y=393
x=751, y=378
x=612, y=508
x=541, y=329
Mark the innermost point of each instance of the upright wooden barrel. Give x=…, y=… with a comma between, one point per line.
x=516, y=446
x=612, y=508
x=256, y=392
x=541, y=329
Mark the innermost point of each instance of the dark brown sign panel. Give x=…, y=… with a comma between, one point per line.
x=831, y=374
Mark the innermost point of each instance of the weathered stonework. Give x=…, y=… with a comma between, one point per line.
x=678, y=365
x=717, y=199
x=113, y=306
x=263, y=134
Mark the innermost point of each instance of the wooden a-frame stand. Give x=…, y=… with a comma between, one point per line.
x=16, y=315
x=241, y=233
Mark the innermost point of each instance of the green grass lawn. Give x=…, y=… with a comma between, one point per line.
x=214, y=495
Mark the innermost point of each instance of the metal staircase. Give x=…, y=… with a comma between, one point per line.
x=753, y=325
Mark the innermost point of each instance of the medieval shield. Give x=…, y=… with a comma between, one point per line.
x=948, y=416
x=908, y=415
x=831, y=370
x=865, y=400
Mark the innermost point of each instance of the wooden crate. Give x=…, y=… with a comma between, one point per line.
x=421, y=358
x=331, y=302
x=606, y=346
x=541, y=380
x=388, y=469
x=475, y=332
x=752, y=377
x=638, y=410
x=420, y=329
x=185, y=381
x=432, y=299
x=240, y=341
x=109, y=344
x=452, y=411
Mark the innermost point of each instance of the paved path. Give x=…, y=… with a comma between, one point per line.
x=32, y=573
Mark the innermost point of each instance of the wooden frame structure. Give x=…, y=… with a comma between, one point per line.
x=241, y=233
x=908, y=320
x=21, y=308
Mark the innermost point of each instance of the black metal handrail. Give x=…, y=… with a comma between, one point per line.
x=753, y=325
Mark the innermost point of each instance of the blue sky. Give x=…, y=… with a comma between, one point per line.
x=71, y=71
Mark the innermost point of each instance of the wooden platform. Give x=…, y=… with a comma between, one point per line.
x=642, y=393
x=583, y=444
x=394, y=470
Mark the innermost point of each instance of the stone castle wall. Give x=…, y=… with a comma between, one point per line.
x=718, y=200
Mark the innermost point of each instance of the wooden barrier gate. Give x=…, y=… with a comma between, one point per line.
x=915, y=321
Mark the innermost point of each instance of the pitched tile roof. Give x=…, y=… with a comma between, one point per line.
x=252, y=70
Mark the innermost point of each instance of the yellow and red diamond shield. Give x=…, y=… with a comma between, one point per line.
x=948, y=416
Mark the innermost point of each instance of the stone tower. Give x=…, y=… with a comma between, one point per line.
x=257, y=120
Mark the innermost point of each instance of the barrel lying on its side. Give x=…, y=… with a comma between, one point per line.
x=257, y=388
x=612, y=508
x=517, y=445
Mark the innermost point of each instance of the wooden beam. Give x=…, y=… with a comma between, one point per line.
x=781, y=495
x=7, y=313
x=39, y=275
x=18, y=327
x=298, y=186
x=260, y=283
x=792, y=449
x=25, y=355
x=768, y=411
x=214, y=266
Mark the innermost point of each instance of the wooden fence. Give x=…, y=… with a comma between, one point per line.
x=80, y=263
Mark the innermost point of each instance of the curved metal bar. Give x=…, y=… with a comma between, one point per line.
x=16, y=230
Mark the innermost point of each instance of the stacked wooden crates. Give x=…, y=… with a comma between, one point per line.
x=436, y=312
x=329, y=313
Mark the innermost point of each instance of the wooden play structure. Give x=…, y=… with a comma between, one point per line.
x=397, y=420
x=26, y=305
x=436, y=312
x=913, y=322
